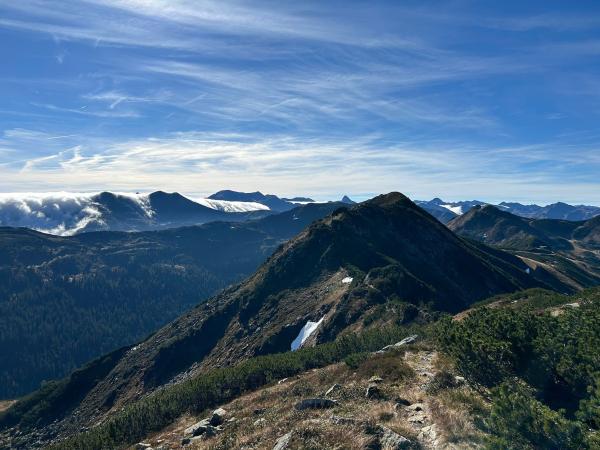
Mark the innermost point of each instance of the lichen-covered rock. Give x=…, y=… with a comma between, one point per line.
x=197, y=428
x=283, y=442
x=390, y=440
x=315, y=403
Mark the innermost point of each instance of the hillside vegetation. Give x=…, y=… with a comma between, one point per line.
x=518, y=372
x=66, y=300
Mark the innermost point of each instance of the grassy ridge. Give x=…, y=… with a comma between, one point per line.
x=160, y=409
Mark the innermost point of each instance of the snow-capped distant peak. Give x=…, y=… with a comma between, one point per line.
x=455, y=209
x=231, y=206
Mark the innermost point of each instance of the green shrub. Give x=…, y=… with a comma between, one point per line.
x=519, y=421
x=355, y=359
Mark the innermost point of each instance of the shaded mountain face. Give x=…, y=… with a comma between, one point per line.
x=334, y=273
x=65, y=300
x=570, y=249
x=272, y=201
x=68, y=214
x=493, y=226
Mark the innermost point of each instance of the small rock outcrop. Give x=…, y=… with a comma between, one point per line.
x=374, y=392
x=405, y=341
x=198, y=428
x=390, y=440
x=283, y=442
x=315, y=403
x=218, y=417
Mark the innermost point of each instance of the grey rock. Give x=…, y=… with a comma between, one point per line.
x=390, y=440
x=283, y=442
x=375, y=379
x=373, y=392
x=197, y=428
x=405, y=341
x=218, y=417
x=260, y=422
x=315, y=403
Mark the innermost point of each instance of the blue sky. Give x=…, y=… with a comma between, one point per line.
x=457, y=99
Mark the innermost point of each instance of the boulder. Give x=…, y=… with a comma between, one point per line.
x=315, y=403
x=390, y=440
x=375, y=379
x=198, y=428
x=218, y=417
x=283, y=442
x=374, y=392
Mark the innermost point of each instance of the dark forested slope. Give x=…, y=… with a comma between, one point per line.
x=65, y=300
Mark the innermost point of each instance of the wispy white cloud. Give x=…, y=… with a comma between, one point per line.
x=199, y=163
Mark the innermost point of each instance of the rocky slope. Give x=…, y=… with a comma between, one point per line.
x=338, y=273
x=391, y=400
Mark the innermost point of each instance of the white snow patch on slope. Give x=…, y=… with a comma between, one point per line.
x=455, y=209
x=308, y=329
x=229, y=206
x=347, y=280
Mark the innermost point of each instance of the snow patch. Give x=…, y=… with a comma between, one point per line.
x=308, y=329
x=528, y=271
x=455, y=209
x=347, y=280
x=230, y=206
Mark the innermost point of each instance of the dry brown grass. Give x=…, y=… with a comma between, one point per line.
x=315, y=429
x=453, y=420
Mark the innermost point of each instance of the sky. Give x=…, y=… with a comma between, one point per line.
x=456, y=99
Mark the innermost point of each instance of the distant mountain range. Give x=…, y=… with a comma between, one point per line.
x=446, y=211
x=68, y=214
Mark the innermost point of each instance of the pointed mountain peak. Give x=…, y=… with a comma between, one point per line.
x=348, y=200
